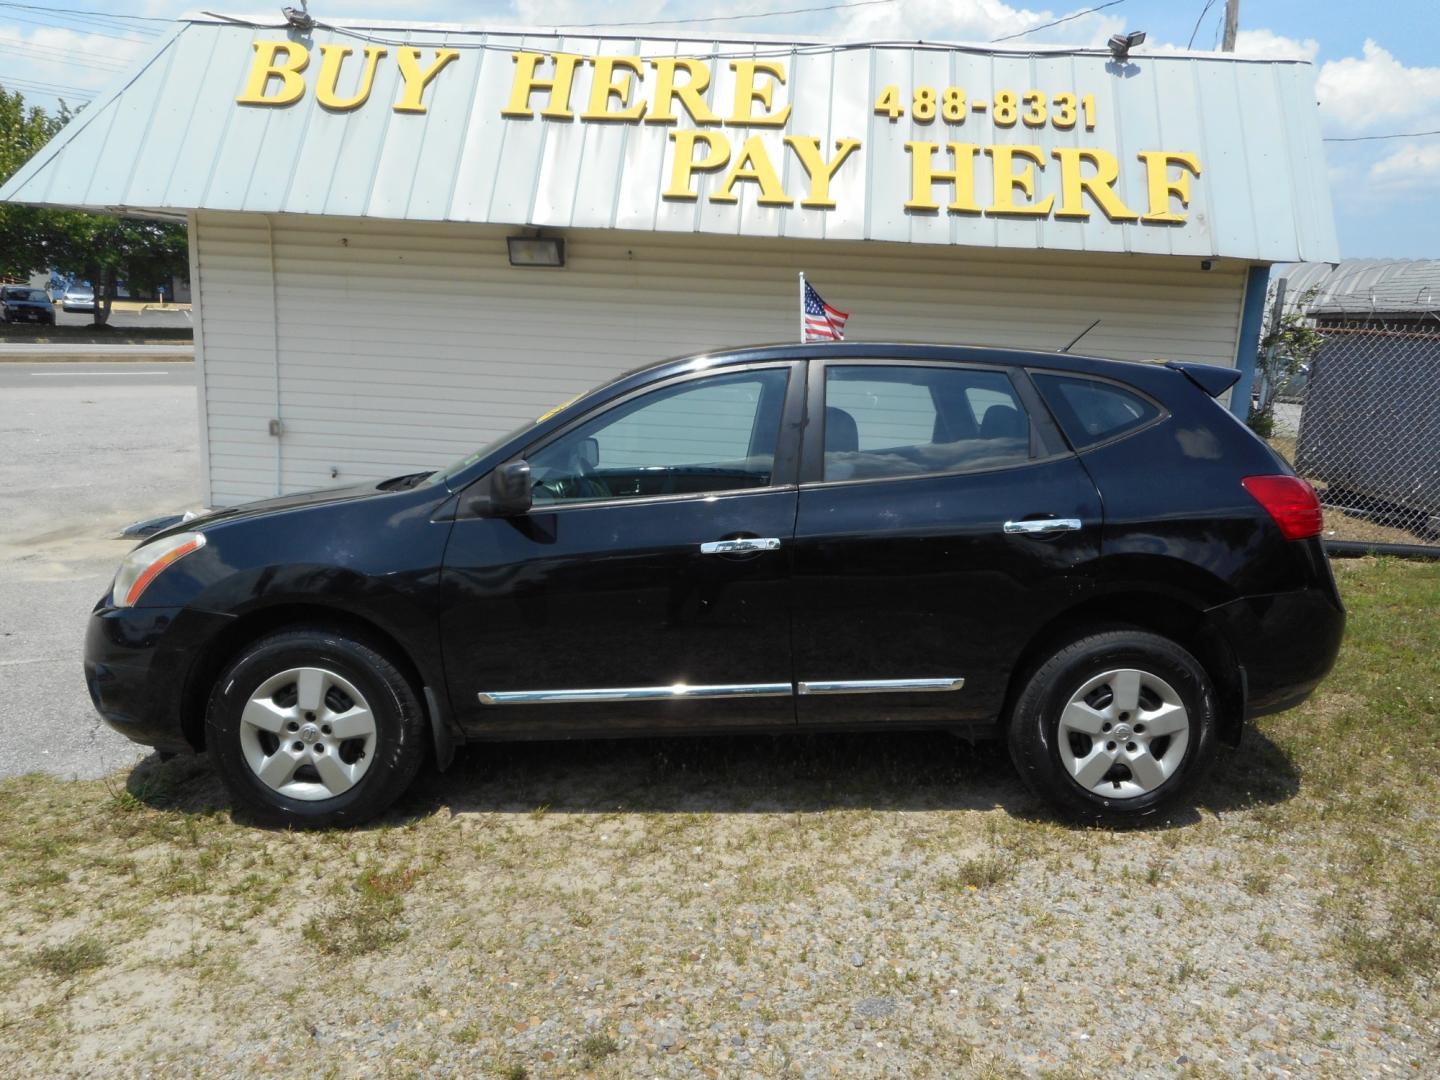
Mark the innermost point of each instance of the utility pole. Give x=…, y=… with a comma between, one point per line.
x=1232, y=24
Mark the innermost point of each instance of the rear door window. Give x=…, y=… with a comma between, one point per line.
x=901, y=420
x=1092, y=411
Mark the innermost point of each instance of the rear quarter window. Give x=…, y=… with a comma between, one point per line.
x=1091, y=411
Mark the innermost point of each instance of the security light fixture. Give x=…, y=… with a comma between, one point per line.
x=300, y=19
x=1121, y=44
x=536, y=250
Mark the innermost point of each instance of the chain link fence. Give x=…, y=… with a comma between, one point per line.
x=1362, y=424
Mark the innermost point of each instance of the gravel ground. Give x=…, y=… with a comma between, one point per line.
x=78, y=462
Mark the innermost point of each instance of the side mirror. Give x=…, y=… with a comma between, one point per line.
x=509, y=494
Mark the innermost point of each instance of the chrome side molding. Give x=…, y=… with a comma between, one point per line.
x=880, y=686
x=684, y=692
x=678, y=692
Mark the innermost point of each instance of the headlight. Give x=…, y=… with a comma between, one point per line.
x=143, y=565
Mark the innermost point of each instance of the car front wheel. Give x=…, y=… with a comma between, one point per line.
x=1115, y=727
x=311, y=728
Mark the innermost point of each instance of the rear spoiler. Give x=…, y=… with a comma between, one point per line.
x=1211, y=378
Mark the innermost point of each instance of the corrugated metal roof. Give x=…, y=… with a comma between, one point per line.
x=171, y=138
x=1365, y=287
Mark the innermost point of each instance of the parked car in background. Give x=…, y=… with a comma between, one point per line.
x=1090, y=559
x=21, y=303
x=78, y=298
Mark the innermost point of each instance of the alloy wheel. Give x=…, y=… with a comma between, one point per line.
x=1123, y=733
x=308, y=733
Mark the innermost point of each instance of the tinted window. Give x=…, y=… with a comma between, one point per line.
x=713, y=434
x=1090, y=411
x=908, y=421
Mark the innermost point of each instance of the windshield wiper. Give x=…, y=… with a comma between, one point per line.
x=401, y=483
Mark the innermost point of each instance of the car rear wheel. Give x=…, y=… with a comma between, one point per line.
x=1115, y=727
x=311, y=728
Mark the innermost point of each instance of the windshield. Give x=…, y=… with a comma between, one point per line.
x=470, y=459
x=25, y=294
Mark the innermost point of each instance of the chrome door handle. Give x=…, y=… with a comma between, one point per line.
x=732, y=547
x=1042, y=526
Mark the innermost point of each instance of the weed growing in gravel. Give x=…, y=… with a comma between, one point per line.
x=596, y=1048
x=1257, y=883
x=73, y=958
x=983, y=871
x=367, y=919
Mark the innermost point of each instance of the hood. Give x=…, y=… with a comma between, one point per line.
x=280, y=504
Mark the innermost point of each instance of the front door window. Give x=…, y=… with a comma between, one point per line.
x=703, y=435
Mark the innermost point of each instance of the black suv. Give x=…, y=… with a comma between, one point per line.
x=1092, y=559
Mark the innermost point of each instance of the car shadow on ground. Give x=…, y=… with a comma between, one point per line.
x=894, y=771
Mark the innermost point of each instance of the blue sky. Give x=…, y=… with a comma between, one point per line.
x=1377, y=64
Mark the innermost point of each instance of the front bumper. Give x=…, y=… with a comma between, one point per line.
x=1285, y=643
x=137, y=664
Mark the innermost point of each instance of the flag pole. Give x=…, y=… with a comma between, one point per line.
x=802, y=307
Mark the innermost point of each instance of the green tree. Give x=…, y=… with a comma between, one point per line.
x=1288, y=344
x=100, y=248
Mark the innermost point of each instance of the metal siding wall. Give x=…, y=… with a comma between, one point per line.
x=405, y=345
x=233, y=287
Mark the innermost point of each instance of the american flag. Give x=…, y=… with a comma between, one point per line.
x=822, y=322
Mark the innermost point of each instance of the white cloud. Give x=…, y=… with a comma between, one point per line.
x=980, y=21
x=1264, y=44
x=1411, y=168
x=1272, y=46
x=1376, y=92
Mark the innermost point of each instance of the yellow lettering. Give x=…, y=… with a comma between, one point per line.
x=1100, y=184
x=689, y=94
x=327, y=87
x=717, y=153
x=820, y=171
x=416, y=79
x=924, y=176
x=605, y=86
x=1007, y=180
x=760, y=170
x=267, y=64
x=747, y=93
x=557, y=107
x=1162, y=185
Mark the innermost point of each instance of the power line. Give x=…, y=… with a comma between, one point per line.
x=76, y=30
x=1394, y=135
x=71, y=12
x=1057, y=22
x=36, y=87
x=1203, y=11
x=39, y=58
x=45, y=55
x=730, y=18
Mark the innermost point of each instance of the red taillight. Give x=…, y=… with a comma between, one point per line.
x=1290, y=501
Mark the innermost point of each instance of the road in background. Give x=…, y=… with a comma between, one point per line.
x=84, y=451
x=126, y=320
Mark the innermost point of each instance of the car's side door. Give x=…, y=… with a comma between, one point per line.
x=648, y=586
x=942, y=519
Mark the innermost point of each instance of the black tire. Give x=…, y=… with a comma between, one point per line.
x=1034, y=726
x=399, y=720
